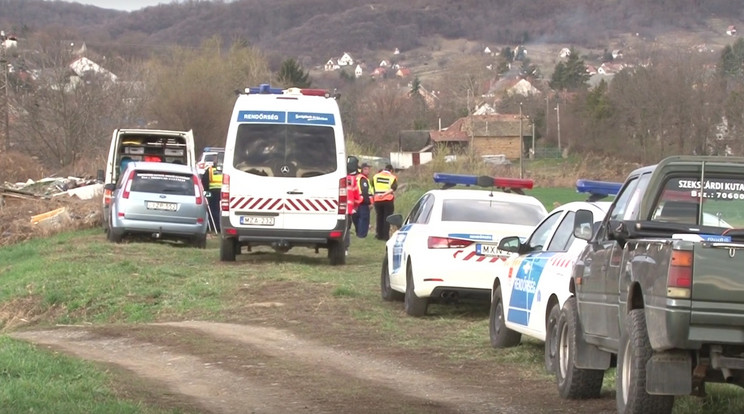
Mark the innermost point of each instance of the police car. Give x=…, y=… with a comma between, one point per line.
x=447, y=246
x=529, y=291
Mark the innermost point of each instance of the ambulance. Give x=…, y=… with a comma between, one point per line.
x=284, y=173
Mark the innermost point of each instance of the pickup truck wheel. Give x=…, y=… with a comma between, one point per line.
x=388, y=294
x=551, y=338
x=336, y=252
x=573, y=383
x=227, y=249
x=501, y=336
x=414, y=305
x=635, y=351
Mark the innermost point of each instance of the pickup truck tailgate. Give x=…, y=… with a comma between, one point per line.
x=718, y=285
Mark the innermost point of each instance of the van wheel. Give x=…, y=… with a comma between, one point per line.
x=227, y=249
x=336, y=252
x=501, y=336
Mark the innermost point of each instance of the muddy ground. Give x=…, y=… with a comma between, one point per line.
x=294, y=352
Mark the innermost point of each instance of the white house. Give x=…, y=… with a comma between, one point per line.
x=565, y=52
x=331, y=65
x=83, y=66
x=346, y=60
x=397, y=51
x=523, y=87
x=358, y=71
x=731, y=30
x=487, y=50
x=384, y=63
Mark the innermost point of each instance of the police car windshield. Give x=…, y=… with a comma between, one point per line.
x=285, y=150
x=484, y=211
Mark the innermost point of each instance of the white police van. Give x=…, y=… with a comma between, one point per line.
x=284, y=175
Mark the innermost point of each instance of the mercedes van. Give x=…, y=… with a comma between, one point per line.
x=284, y=173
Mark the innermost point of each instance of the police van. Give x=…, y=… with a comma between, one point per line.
x=284, y=173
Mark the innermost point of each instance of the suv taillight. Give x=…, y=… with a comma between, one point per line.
x=447, y=243
x=198, y=190
x=225, y=193
x=128, y=185
x=342, y=197
x=679, y=279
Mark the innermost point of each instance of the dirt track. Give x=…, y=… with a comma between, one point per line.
x=230, y=368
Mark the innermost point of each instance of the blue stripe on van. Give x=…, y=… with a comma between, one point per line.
x=311, y=118
x=264, y=117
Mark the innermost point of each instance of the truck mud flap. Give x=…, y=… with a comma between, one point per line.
x=589, y=356
x=669, y=373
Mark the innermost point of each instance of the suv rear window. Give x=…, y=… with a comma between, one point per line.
x=285, y=150
x=482, y=211
x=166, y=183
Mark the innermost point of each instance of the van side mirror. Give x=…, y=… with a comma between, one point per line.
x=99, y=175
x=109, y=186
x=583, y=221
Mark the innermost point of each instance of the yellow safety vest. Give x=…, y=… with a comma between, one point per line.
x=215, y=179
x=383, y=183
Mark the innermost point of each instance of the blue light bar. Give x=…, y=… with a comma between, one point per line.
x=451, y=180
x=265, y=89
x=598, y=189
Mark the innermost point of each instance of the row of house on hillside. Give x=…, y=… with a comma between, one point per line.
x=384, y=68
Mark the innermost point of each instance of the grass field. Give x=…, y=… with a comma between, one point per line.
x=79, y=278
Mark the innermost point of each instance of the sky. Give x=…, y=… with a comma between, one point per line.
x=125, y=5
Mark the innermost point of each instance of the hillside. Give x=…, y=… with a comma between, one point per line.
x=314, y=30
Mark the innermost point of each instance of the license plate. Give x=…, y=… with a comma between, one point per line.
x=487, y=250
x=156, y=205
x=257, y=220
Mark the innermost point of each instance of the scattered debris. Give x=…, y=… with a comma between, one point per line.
x=38, y=208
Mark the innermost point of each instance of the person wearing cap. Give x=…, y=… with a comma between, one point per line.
x=361, y=216
x=384, y=183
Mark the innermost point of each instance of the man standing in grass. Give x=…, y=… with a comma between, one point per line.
x=384, y=183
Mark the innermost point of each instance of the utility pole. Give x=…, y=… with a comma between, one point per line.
x=558, y=118
x=521, y=144
x=6, y=93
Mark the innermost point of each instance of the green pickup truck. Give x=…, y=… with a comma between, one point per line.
x=659, y=288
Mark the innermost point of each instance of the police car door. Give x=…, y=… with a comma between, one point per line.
x=411, y=238
x=525, y=276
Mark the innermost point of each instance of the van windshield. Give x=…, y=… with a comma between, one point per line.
x=279, y=150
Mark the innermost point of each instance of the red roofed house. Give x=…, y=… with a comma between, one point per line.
x=488, y=134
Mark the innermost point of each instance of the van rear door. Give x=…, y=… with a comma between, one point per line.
x=287, y=171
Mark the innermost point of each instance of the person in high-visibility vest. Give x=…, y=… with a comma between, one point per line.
x=384, y=183
x=353, y=197
x=361, y=216
x=212, y=183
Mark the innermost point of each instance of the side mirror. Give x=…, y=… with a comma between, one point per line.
x=510, y=244
x=99, y=175
x=395, y=219
x=109, y=186
x=583, y=221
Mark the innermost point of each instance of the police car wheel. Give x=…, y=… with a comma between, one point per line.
x=414, y=305
x=573, y=383
x=551, y=338
x=635, y=351
x=388, y=294
x=228, y=247
x=501, y=336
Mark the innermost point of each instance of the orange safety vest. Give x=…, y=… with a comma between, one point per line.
x=383, y=184
x=353, y=196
